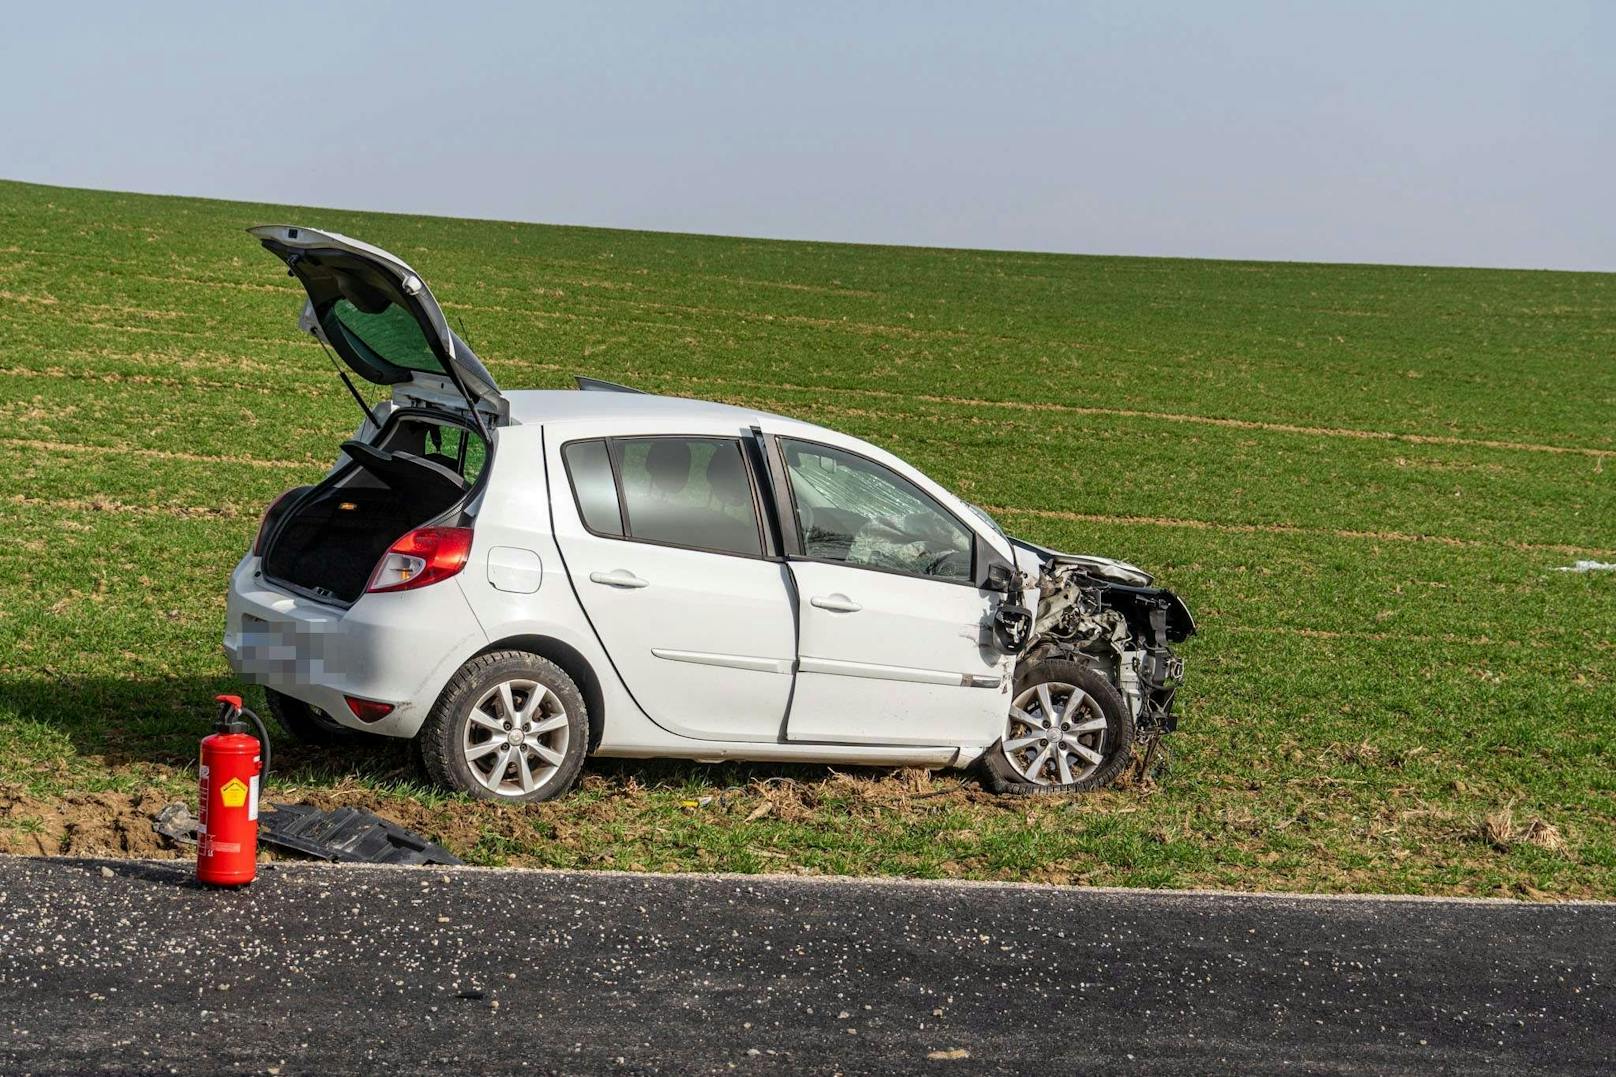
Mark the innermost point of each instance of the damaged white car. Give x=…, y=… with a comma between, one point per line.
x=520, y=579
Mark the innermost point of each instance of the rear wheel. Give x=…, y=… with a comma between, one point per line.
x=306, y=724
x=1068, y=731
x=510, y=726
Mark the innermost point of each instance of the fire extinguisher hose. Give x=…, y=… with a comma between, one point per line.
x=263, y=749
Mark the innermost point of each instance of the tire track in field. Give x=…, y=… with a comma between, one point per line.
x=158, y=454
x=25, y=298
x=223, y=511
x=1388, y=637
x=1260, y=425
x=1295, y=529
x=1171, y=417
x=1599, y=455
x=291, y=340
x=1264, y=426
x=169, y=363
x=230, y=511
x=1267, y=426
x=658, y=307
x=846, y=325
x=1224, y=526
x=1422, y=639
x=114, y=377
x=655, y=307
x=46, y=300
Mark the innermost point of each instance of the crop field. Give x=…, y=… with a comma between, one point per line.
x=1365, y=481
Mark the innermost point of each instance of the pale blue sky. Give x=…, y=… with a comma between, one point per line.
x=1441, y=133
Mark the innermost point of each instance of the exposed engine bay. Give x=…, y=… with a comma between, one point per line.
x=1107, y=615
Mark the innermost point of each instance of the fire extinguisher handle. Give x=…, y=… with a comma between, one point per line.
x=231, y=711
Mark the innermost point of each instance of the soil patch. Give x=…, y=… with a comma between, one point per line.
x=84, y=824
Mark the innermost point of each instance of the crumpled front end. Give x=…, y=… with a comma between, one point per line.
x=1108, y=615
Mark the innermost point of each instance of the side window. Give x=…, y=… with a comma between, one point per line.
x=689, y=492
x=858, y=512
x=457, y=449
x=446, y=444
x=590, y=470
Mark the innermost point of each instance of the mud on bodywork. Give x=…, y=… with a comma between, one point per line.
x=1107, y=615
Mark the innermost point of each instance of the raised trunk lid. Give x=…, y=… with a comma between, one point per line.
x=379, y=316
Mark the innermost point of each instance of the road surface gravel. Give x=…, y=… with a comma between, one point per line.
x=128, y=966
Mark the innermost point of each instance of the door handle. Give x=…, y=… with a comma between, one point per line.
x=837, y=603
x=621, y=577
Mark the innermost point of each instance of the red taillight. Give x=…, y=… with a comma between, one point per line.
x=425, y=555
x=269, y=518
x=368, y=710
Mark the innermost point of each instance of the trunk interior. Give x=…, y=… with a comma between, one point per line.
x=335, y=535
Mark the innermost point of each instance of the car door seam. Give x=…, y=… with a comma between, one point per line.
x=795, y=596
x=566, y=571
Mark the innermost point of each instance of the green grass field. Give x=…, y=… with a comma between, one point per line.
x=1362, y=479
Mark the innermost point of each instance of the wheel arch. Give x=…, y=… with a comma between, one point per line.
x=573, y=663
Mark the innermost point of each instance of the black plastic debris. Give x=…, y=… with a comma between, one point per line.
x=345, y=835
x=348, y=835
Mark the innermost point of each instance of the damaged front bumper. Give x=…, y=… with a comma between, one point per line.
x=1108, y=615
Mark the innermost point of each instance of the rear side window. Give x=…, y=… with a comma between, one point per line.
x=676, y=491
x=446, y=444
x=457, y=448
x=689, y=492
x=589, y=468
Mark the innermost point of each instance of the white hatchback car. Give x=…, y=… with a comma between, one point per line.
x=520, y=579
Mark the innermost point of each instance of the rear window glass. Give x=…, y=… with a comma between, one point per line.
x=590, y=470
x=690, y=492
x=391, y=336
x=458, y=448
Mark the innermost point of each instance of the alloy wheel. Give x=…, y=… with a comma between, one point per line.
x=515, y=737
x=1056, y=734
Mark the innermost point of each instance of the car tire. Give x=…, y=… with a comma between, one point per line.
x=305, y=723
x=1101, y=729
x=467, y=740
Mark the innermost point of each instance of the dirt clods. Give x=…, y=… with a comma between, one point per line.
x=83, y=824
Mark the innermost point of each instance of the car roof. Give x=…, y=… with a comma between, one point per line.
x=635, y=413
x=553, y=406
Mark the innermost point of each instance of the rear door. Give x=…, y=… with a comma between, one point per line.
x=663, y=543
x=380, y=318
x=894, y=644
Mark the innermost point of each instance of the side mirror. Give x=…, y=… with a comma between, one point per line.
x=1001, y=577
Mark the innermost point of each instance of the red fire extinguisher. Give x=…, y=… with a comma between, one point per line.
x=229, y=777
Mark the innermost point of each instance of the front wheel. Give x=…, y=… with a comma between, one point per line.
x=510, y=726
x=1068, y=731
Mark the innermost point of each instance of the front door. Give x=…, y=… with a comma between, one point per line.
x=662, y=541
x=893, y=642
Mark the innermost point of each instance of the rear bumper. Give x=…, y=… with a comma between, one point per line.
x=399, y=648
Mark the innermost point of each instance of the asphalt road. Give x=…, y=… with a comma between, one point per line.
x=126, y=966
